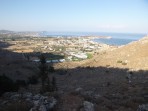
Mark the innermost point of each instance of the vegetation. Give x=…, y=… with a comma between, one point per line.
x=51, y=69
x=124, y=63
x=17, y=106
x=7, y=84
x=119, y=61
x=44, y=74
x=33, y=79
x=54, y=84
x=89, y=55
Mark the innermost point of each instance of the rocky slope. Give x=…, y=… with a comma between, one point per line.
x=132, y=56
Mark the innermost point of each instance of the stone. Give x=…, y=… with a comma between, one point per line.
x=88, y=106
x=36, y=102
x=97, y=96
x=36, y=97
x=143, y=107
x=78, y=89
x=15, y=97
x=88, y=93
x=4, y=102
x=43, y=108
x=52, y=103
x=27, y=95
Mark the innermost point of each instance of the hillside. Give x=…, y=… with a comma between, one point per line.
x=133, y=56
x=103, y=79
x=101, y=83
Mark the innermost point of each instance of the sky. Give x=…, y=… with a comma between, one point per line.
x=75, y=15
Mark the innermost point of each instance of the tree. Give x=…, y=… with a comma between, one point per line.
x=43, y=72
x=54, y=84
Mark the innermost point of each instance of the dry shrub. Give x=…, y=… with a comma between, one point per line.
x=17, y=106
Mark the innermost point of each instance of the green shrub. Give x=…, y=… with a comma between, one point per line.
x=119, y=61
x=89, y=56
x=124, y=63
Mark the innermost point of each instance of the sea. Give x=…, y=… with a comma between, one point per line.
x=116, y=39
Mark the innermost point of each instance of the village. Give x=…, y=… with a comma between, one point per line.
x=70, y=48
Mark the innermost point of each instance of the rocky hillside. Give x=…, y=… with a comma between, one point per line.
x=132, y=56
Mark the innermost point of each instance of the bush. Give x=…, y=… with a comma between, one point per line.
x=7, y=84
x=51, y=69
x=89, y=56
x=21, y=83
x=124, y=63
x=119, y=61
x=17, y=106
x=33, y=79
x=54, y=84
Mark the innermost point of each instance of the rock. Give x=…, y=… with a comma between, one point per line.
x=36, y=97
x=143, y=107
x=78, y=89
x=52, y=102
x=28, y=99
x=97, y=96
x=88, y=93
x=36, y=103
x=27, y=95
x=7, y=94
x=44, y=103
x=4, y=102
x=88, y=106
x=15, y=97
x=43, y=108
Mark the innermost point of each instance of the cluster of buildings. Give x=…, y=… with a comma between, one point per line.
x=72, y=48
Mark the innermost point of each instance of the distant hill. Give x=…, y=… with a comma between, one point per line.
x=20, y=34
x=6, y=31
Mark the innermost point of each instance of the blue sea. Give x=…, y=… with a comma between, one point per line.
x=116, y=39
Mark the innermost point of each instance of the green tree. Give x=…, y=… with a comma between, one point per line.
x=43, y=73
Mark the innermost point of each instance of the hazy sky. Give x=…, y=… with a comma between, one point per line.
x=75, y=15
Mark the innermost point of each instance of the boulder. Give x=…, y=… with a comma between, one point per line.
x=43, y=108
x=88, y=106
x=143, y=107
x=78, y=89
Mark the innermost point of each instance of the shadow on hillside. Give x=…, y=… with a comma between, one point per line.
x=4, y=52
x=6, y=55
x=98, y=72
x=20, y=65
x=106, y=87
x=19, y=68
x=4, y=45
x=95, y=78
